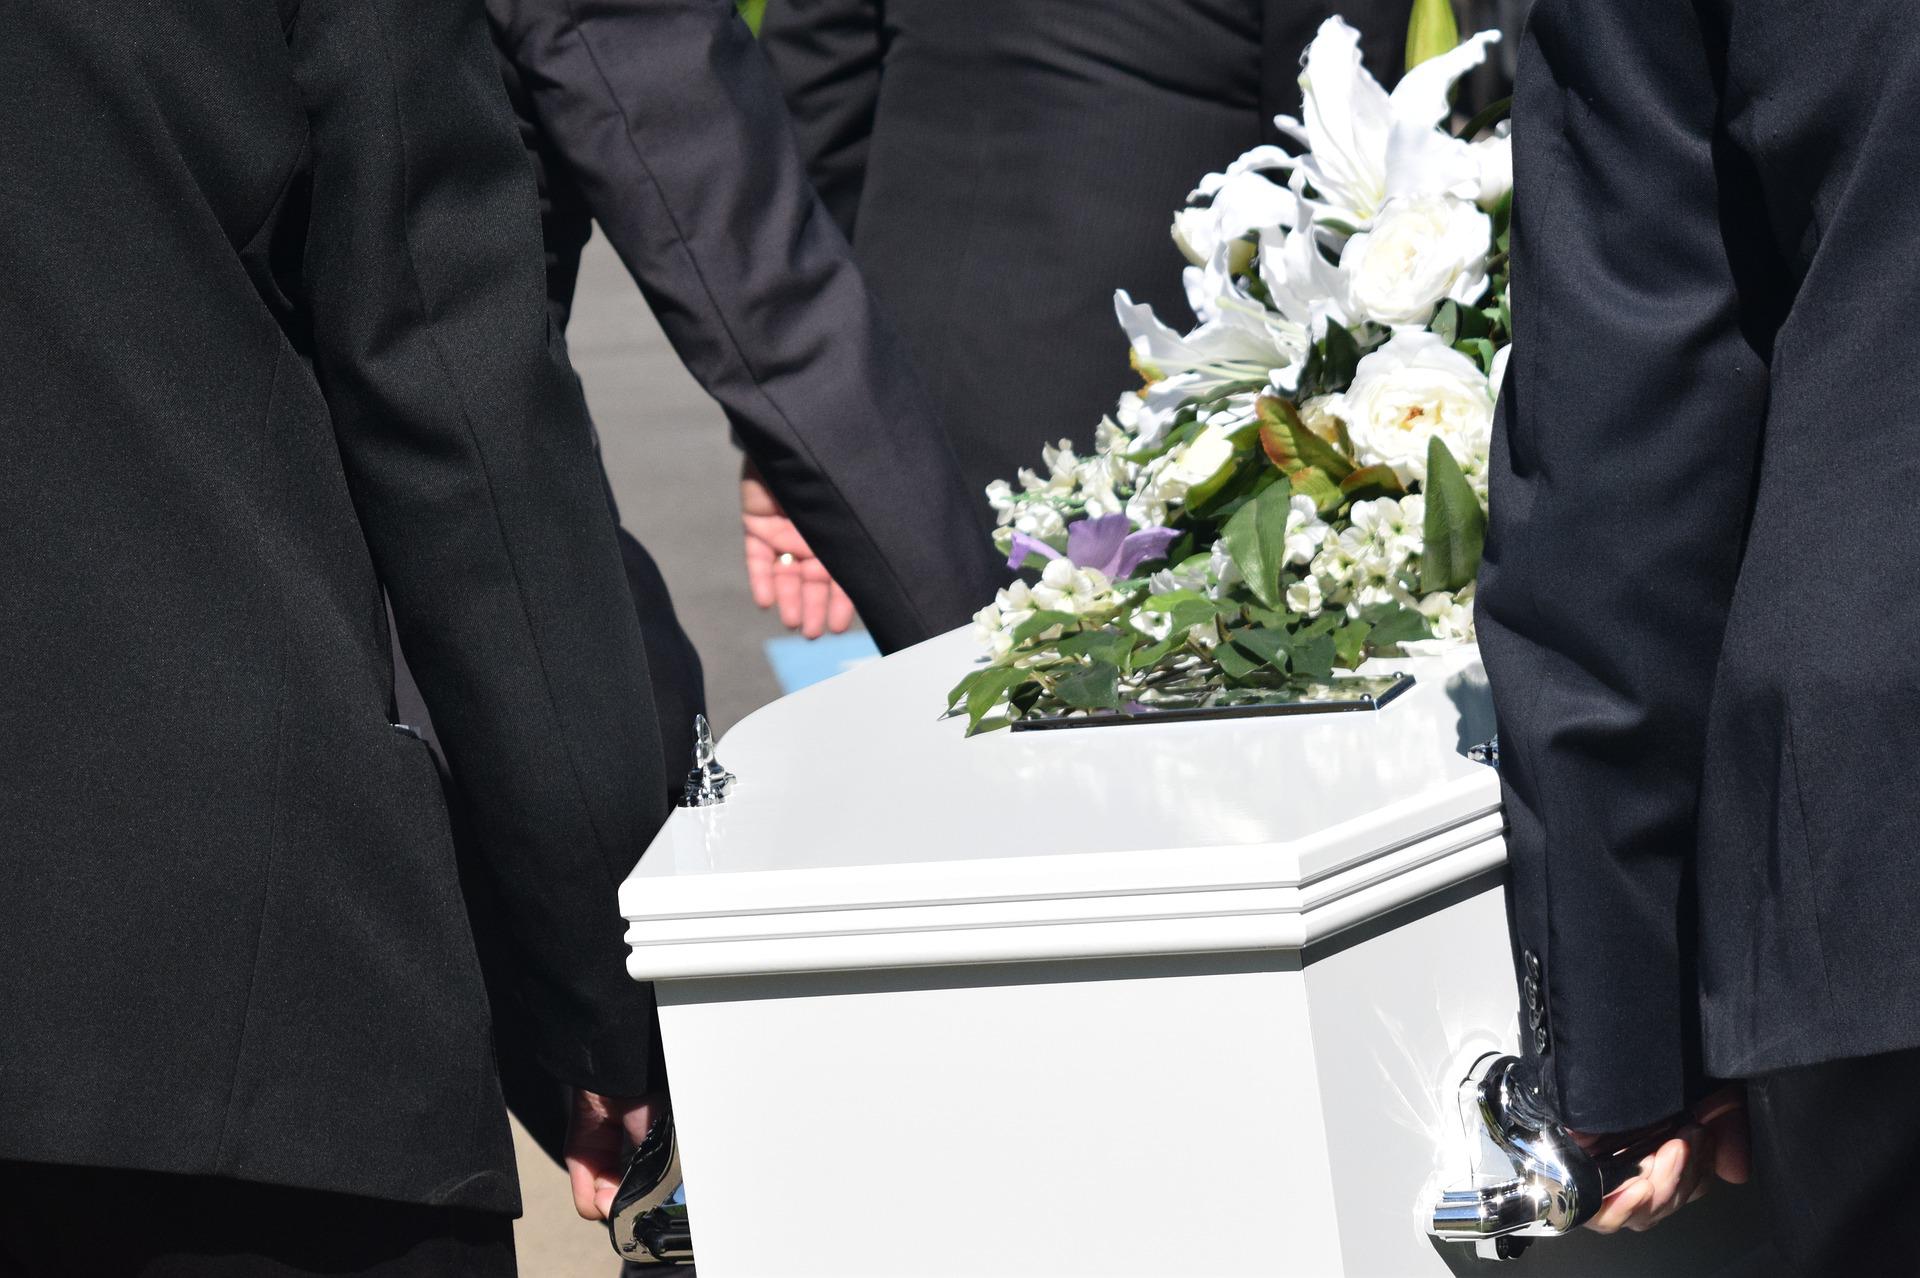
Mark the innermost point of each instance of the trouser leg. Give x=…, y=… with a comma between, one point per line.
x=1837, y=1159
x=84, y=1222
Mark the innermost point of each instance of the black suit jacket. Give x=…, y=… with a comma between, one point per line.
x=1696, y=607
x=273, y=325
x=662, y=123
x=1004, y=165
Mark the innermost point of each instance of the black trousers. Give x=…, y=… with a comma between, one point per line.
x=1837, y=1159
x=84, y=1222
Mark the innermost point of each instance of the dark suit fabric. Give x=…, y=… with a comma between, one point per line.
x=90, y=1222
x=276, y=338
x=1005, y=165
x=1698, y=628
x=663, y=124
x=1834, y=1149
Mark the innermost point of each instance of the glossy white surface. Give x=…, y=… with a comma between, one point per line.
x=1051, y=1119
x=1194, y=1115
x=865, y=830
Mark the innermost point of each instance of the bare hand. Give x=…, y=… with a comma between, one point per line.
x=1714, y=1145
x=782, y=568
x=603, y=1128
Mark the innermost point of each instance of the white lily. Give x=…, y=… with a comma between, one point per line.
x=1365, y=145
x=1242, y=201
x=1302, y=284
x=1237, y=347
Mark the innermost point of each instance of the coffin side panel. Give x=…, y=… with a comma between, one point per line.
x=1127, y=1117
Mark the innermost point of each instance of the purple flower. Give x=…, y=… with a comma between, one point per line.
x=1102, y=544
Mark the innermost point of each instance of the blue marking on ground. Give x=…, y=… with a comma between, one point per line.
x=798, y=663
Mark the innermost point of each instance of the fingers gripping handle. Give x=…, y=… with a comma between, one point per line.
x=1541, y=1183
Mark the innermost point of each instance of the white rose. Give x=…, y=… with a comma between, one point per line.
x=1411, y=391
x=1418, y=254
x=1495, y=159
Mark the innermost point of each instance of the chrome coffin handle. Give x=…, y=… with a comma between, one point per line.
x=1542, y=1183
x=648, y=1223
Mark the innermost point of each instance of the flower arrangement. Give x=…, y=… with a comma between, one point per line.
x=1300, y=483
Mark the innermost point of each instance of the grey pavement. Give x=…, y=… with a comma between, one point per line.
x=675, y=475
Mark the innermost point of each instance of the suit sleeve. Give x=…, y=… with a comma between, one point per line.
x=1623, y=465
x=467, y=448
x=827, y=56
x=668, y=117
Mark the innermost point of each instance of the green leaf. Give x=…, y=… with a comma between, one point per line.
x=1275, y=647
x=1173, y=599
x=1474, y=322
x=1313, y=482
x=991, y=689
x=1207, y=489
x=1370, y=482
x=1090, y=687
x=1343, y=357
x=1350, y=644
x=1456, y=528
x=963, y=687
x=1248, y=484
x=1446, y=323
x=1393, y=625
x=1024, y=698
x=1314, y=657
x=1490, y=115
x=1183, y=608
x=1431, y=32
x=1041, y=622
x=1154, y=653
x=1291, y=446
x=1099, y=645
x=1256, y=540
x=1324, y=624
x=1236, y=663
x=1479, y=350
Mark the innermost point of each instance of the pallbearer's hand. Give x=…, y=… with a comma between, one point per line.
x=1714, y=1146
x=783, y=570
x=602, y=1130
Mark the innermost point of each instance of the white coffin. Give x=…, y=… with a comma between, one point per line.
x=1172, y=999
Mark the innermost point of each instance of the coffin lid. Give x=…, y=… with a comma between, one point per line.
x=866, y=831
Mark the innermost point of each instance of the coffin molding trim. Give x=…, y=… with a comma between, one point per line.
x=1284, y=911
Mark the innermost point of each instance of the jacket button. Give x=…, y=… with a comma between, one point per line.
x=1533, y=965
x=1540, y=1039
